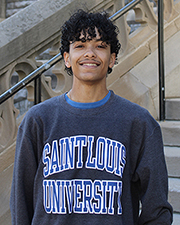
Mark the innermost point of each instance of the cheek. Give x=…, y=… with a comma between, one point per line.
x=106, y=58
x=74, y=58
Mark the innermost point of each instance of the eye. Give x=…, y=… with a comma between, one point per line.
x=79, y=46
x=100, y=46
x=103, y=46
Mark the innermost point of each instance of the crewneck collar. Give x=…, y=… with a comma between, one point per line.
x=90, y=105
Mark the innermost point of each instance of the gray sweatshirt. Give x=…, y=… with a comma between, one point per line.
x=89, y=164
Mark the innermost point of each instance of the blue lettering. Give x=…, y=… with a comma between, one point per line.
x=80, y=142
x=97, y=206
x=69, y=195
x=54, y=158
x=105, y=154
x=46, y=159
x=118, y=159
x=119, y=198
x=47, y=196
x=82, y=196
x=61, y=143
x=87, y=196
x=123, y=161
x=112, y=186
x=69, y=153
x=100, y=152
x=77, y=196
x=110, y=158
x=63, y=209
x=90, y=163
x=56, y=196
x=104, y=209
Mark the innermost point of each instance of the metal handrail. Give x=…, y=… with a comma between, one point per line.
x=37, y=73
x=124, y=10
x=32, y=76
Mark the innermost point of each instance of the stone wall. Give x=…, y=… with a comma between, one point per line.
x=10, y=7
x=13, y=6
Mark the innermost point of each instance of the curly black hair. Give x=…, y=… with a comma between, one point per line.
x=84, y=22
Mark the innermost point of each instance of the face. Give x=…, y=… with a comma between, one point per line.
x=89, y=60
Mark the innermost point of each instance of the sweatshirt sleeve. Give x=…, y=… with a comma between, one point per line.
x=25, y=167
x=153, y=179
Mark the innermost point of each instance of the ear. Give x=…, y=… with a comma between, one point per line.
x=66, y=59
x=112, y=60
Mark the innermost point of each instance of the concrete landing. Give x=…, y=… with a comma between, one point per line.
x=171, y=132
x=176, y=219
x=173, y=109
x=174, y=193
x=172, y=155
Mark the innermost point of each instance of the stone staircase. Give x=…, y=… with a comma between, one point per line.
x=171, y=136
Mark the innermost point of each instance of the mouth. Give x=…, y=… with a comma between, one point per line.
x=89, y=63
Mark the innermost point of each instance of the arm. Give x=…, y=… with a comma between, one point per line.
x=153, y=179
x=25, y=165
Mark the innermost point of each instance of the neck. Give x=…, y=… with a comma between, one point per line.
x=87, y=93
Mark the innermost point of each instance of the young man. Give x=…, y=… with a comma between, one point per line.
x=89, y=156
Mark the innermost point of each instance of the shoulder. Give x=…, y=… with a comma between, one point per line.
x=46, y=107
x=43, y=110
x=128, y=107
x=133, y=112
x=136, y=120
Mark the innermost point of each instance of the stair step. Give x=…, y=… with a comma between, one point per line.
x=173, y=109
x=172, y=156
x=174, y=193
x=171, y=132
x=176, y=219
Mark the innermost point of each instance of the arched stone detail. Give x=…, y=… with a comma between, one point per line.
x=145, y=13
x=8, y=112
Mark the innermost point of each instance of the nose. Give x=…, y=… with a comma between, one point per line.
x=90, y=53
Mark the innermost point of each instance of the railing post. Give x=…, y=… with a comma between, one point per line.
x=37, y=90
x=161, y=60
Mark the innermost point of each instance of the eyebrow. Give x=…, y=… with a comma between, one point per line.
x=84, y=40
x=98, y=40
